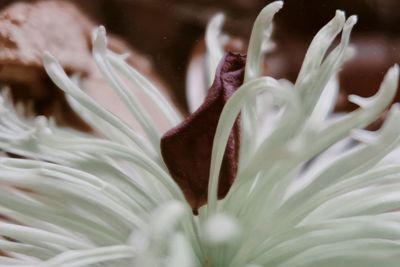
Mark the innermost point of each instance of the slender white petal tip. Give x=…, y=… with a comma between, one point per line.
x=217, y=20
x=42, y=126
x=100, y=39
x=387, y=89
x=339, y=18
x=271, y=9
x=393, y=73
x=352, y=20
x=391, y=79
x=359, y=101
x=276, y=5
x=48, y=58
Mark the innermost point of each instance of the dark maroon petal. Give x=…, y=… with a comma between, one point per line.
x=186, y=149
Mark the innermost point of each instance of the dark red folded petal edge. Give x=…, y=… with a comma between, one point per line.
x=186, y=149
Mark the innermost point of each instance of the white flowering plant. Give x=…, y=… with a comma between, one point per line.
x=311, y=188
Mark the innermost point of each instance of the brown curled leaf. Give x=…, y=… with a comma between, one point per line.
x=186, y=149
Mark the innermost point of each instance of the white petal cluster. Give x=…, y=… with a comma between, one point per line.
x=311, y=190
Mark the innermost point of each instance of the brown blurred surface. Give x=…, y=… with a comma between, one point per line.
x=166, y=32
x=27, y=29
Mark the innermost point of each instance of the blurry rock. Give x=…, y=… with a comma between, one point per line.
x=27, y=29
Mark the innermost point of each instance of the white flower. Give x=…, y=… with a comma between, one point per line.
x=302, y=196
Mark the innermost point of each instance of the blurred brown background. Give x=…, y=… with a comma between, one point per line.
x=166, y=31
